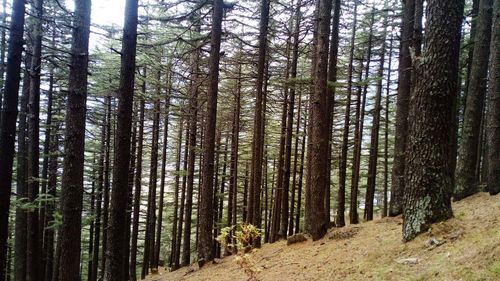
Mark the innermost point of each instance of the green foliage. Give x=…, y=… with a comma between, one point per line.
x=244, y=238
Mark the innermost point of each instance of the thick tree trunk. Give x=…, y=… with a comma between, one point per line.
x=428, y=176
x=254, y=216
x=72, y=179
x=493, y=182
x=117, y=226
x=466, y=180
x=317, y=170
x=8, y=123
x=206, y=216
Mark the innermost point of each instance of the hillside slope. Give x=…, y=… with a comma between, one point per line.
x=466, y=247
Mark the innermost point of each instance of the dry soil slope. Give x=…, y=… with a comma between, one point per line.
x=468, y=249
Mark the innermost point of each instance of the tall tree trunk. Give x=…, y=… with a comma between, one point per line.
x=429, y=180
x=340, y=220
x=493, y=181
x=402, y=108
x=317, y=170
x=206, y=191
x=466, y=181
x=72, y=178
x=117, y=226
x=254, y=214
x=8, y=123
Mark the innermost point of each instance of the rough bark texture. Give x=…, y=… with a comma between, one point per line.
x=8, y=124
x=317, y=170
x=72, y=179
x=466, y=180
x=402, y=109
x=494, y=125
x=205, y=209
x=254, y=212
x=428, y=176
x=117, y=226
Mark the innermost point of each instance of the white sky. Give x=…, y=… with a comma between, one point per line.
x=107, y=12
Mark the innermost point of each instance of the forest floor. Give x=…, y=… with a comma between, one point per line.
x=466, y=247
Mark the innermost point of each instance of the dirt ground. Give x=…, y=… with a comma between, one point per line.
x=466, y=247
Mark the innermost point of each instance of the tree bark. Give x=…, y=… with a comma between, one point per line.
x=254, y=216
x=206, y=216
x=494, y=125
x=8, y=123
x=72, y=179
x=402, y=108
x=466, y=181
x=428, y=176
x=317, y=170
x=117, y=226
